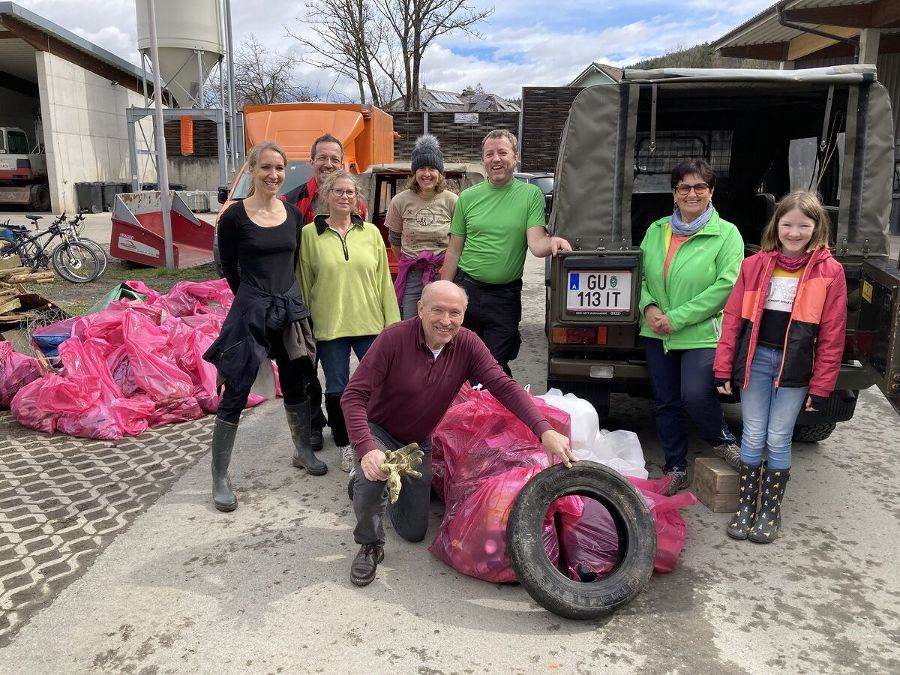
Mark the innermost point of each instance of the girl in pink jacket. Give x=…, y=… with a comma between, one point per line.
x=782, y=341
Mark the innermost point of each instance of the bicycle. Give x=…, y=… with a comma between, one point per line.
x=74, y=261
x=74, y=226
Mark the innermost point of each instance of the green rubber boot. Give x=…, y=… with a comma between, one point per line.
x=222, y=443
x=299, y=422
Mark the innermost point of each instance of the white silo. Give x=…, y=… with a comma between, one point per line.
x=189, y=36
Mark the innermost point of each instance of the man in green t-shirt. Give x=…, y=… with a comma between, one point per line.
x=493, y=225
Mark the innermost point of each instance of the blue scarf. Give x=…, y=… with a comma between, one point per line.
x=683, y=229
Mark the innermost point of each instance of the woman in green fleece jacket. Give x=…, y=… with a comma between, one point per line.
x=691, y=261
x=347, y=286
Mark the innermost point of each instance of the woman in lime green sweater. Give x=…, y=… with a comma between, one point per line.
x=347, y=286
x=691, y=261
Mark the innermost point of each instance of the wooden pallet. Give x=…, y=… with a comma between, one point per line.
x=17, y=305
x=20, y=275
x=716, y=484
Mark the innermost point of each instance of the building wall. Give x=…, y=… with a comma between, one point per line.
x=199, y=171
x=592, y=78
x=460, y=137
x=19, y=111
x=84, y=128
x=544, y=114
x=195, y=173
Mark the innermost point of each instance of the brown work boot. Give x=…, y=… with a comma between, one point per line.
x=362, y=571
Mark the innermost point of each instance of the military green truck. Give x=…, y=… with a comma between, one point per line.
x=765, y=133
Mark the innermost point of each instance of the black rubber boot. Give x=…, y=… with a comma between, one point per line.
x=748, y=494
x=222, y=443
x=336, y=420
x=304, y=458
x=771, y=496
x=314, y=391
x=316, y=440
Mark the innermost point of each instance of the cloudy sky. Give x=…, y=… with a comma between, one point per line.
x=525, y=42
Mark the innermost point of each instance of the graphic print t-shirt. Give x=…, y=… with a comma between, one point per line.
x=778, y=305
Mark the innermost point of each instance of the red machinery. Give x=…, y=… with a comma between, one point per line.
x=137, y=231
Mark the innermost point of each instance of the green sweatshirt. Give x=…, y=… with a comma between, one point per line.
x=701, y=275
x=346, y=285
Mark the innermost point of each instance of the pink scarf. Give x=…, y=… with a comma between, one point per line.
x=792, y=264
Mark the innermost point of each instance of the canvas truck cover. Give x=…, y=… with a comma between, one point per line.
x=595, y=168
x=366, y=132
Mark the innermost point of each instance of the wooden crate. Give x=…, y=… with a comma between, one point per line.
x=716, y=484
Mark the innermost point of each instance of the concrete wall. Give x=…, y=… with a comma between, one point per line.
x=19, y=111
x=195, y=173
x=84, y=128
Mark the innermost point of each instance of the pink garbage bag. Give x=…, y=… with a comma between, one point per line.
x=474, y=540
x=589, y=542
x=29, y=412
x=479, y=438
x=16, y=370
x=671, y=530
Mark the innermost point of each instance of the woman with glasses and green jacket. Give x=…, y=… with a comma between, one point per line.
x=347, y=285
x=691, y=261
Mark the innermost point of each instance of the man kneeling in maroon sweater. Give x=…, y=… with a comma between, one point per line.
x=397, y=396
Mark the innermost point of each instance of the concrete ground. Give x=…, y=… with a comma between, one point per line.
x=183, y=588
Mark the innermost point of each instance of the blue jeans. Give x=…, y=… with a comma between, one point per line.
x=334, y=355
x=682, y=382
x=769, y=413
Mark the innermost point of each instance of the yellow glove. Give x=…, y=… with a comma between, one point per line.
x=399, y=463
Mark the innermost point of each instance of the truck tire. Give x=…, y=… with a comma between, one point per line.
x=812, y=433
x=634, y=525
x=40, y=198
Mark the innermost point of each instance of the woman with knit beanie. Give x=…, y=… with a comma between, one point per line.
x=418, y=222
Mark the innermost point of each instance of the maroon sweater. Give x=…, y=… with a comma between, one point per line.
x=402, y=388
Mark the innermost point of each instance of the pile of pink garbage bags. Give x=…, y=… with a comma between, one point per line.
x=483, y=456
x=138, y=364
x=133, y=365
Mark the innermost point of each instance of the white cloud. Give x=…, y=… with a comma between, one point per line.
x=530, y=42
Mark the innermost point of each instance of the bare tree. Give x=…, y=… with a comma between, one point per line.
x=264, y=77
x=379, y=44
x=416, y=24
x=348, y=35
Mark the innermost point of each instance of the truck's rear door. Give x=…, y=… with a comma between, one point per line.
x=879, y=325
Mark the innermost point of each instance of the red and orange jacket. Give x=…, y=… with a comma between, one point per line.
x=814, y=341
x=304, y=198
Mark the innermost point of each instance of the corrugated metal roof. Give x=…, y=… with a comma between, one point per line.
x=15, y=11
x=764, y=28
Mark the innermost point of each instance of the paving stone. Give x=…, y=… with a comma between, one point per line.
x=65, y=499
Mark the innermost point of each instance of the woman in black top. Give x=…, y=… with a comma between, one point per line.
x=259, y=240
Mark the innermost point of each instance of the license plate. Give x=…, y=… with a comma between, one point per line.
x=607, y=292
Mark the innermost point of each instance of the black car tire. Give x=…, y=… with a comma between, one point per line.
x=812, y=433
x=634, y=525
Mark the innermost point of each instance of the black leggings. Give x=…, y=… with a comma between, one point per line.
x=293, y=376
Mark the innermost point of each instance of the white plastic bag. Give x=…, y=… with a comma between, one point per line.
x=620, y=450
x=585, y=423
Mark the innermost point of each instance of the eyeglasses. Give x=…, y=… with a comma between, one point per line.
x=334, y=159
x=338, y=192
x=699, y=189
